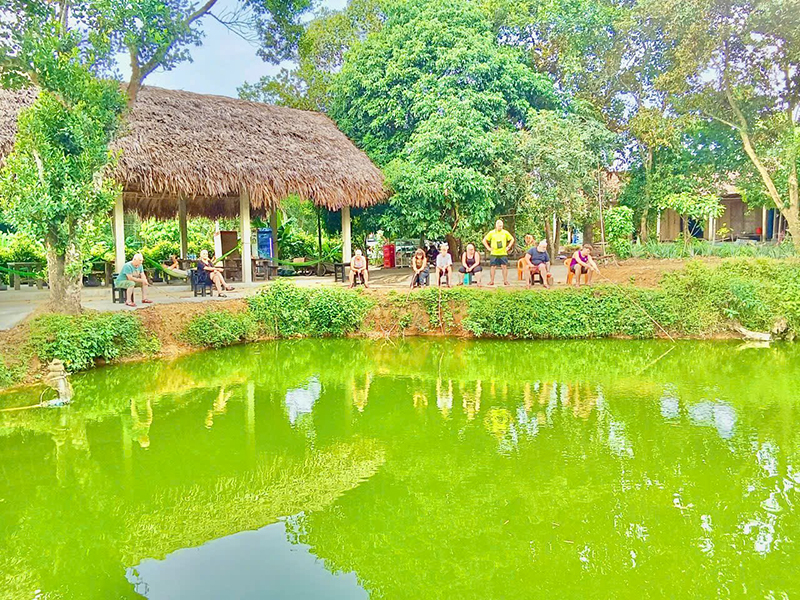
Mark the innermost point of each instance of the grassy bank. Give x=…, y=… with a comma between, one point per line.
x=699, y=301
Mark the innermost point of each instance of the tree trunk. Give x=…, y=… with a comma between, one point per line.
x=454, y=244
x=552, y=237
x=588, y=233
x=65, y=276
x=643, y=234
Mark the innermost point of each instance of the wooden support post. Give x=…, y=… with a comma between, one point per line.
x=183, y=226
x=119, y=234
x=347, y=245
x=246, y=234
x=763, y=223
x=273, y=224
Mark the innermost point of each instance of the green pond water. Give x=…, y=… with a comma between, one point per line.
x=418, y=469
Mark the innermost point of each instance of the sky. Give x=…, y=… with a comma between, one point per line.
x=221, y=64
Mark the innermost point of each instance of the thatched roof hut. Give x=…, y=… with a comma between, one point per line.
x=211, y=149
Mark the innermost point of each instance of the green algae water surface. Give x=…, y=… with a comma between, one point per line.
x=412, y=470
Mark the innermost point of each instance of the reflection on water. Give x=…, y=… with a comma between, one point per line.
x=422, y=469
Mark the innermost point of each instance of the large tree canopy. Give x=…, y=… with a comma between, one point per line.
x=434, y=99
x=738, y=63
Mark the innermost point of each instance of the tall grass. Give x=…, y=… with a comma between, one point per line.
x=697, y=248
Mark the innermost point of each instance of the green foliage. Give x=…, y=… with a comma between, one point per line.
x=81, y=340
x=9, y=375
x=699, y=247
x=693, y=205
x=218, y=328
x=319, y=56
x=733, y=63
x=285, y=310
x=566, y=313
x=17, y=247
x=434, y=99
x=619, y=227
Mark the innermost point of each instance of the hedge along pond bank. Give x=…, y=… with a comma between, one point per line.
x=699, y=301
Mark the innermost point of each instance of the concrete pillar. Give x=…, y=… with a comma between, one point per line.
x=182, y=226
x=246, y=234
x=119, y=234
x=763, y=223
x=347, y=246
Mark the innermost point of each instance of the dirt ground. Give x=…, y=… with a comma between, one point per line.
x=643, y=272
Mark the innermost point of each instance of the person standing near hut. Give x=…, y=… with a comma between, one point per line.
x=498, y=242
x=131, y=276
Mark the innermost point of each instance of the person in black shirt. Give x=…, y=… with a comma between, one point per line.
x=537, y=260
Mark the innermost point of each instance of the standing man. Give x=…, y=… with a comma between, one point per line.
x=498, y=242
x=130, y=276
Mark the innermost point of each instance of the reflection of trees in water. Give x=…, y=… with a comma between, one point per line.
x=606, y=449
x=75, y=532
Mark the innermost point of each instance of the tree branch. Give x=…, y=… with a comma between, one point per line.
x=744, y=133
x=157, y=59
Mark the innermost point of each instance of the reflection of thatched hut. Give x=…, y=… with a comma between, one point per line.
x=201, y=155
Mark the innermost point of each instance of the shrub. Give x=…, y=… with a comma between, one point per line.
x=80, y=340
x=282, y=309
x=336, y=312
x=619, y=227
x=285, y=310
x=10, y=375
x=216, y=329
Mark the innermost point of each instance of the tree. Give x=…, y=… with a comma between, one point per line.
x=158, y=35
x=737, y=62
x=54, y=184
x=561, y=155
x=319, y=55
x=435, y=100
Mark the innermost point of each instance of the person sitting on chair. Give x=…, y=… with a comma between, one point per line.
x=471, y=263
x=582, y=262
x=444, y=265
x=419, y=266
x=537, y=260
x=359, y=268
x=207, y=273
x=131, y=276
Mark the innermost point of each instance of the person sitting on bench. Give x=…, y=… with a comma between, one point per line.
x=419, y=266
x=471, y=264
x=444, y=265
x=583, y=263
x=537, y=260
x=359, y=268
x=131, y=276
x=208, y=273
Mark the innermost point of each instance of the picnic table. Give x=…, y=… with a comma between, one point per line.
x=29, y=267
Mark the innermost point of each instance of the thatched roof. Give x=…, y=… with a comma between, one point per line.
x=210, y=148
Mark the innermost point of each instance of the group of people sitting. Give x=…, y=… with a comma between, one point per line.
x=498, y=243
x=132, y=275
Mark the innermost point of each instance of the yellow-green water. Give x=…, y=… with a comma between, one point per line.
x=416, y=470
